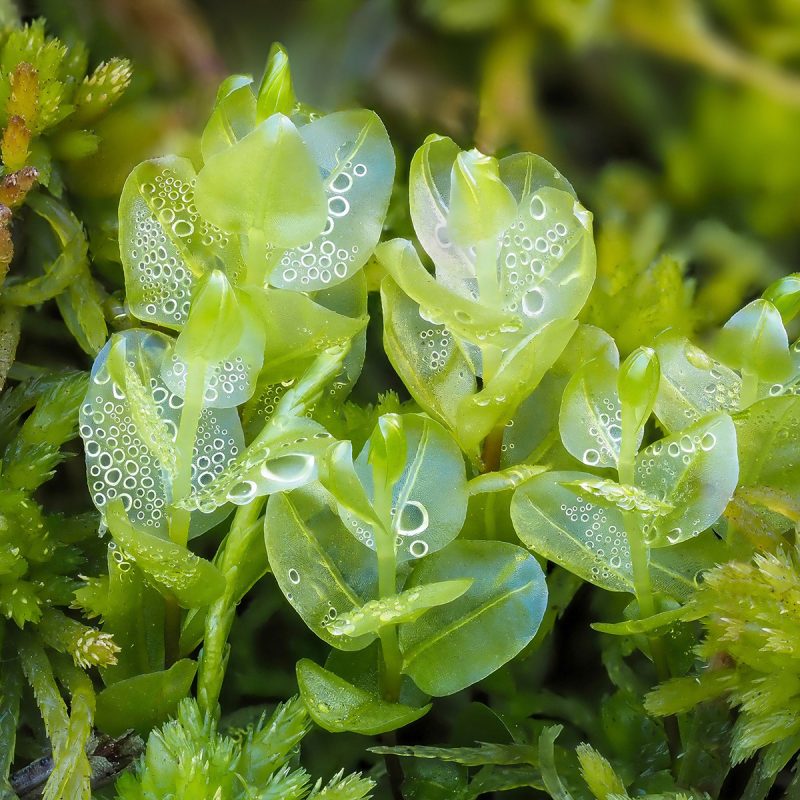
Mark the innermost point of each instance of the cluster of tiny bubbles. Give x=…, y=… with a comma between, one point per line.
x=324, y=258
x=213, y=448
x=363, y=533
x=118, y=460
x=329, y=616
x=225, y=378
x=681, y=449
x=440, y=343
x=271, y=396
x=507, y=446
x=529, y=249
x=605, y=541
x=123, y=560
x=165, y=281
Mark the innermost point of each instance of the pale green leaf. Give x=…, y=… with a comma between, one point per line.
x=455, y=645
x=319, y=567
x=336, y=705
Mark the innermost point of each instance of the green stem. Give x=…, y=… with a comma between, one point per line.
x=247, y=526
x=184, y=448
x=749, y=393
x=387, y=586
x=256, y=258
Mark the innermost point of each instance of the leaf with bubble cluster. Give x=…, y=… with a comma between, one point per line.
x=768, y=434
x=283, y=458
x=695, y=471
x=534, y=427
x=457, y=644
x=692, y=383
x=565, y=525
x=337, y=705
x=466, y=318
x=233, y=117
x=431, y=365
x=125, y=446
x=547, y=258
x=173, y=569
x=590, y=420
x=164, y=244
x=519, y=373
x=423, y=519
x=356, y=161
x=404, y=606
x=319, y=567
x=222, y=342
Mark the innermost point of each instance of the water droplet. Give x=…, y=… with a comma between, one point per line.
x=294, y=576
x=293, y=468
x=591, y=457
x=532, y=302
x=675, y=535
x=708, y=441
x=242, y=492
x=413, y=519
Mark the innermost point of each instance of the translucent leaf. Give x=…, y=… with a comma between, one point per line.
x=284, y=458
x=193, y=581
x=590, y=420
x=692, y=383
x=125, y=445
x=455, y=645
x=547, y=257
x=429, y=195
x=430, y=363
x=165, y=245
x=319, y=567
x=223, y=340
x=695, y=472
x=625, y=498
x=754, y=340
x=267, y=183
x=519, y=373
x=233, y=117
x=559, y=521
x=423, y=519
x=355, y=158
x=466, y=318
x=768, y=434
x=405, y=606
x=336, y=705
x=299, y=328
x=144, y=700
x=535, y=423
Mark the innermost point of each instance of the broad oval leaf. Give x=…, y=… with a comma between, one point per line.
x=319, y=567
x=425, y=355
x=458, y=644
x=164, y=243
x=696, y=472
x=129, y=421
x=768, y=435
x=590, y=420
x=692, y=384
x=336, y=705
x=355, y=158
x=424, y=520
x=555, y=518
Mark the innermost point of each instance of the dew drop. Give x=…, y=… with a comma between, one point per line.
x=242, y=492
x=533, y=302
x=591, y=457
x=413, y=519
x=292, y=468
x=708, y=441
